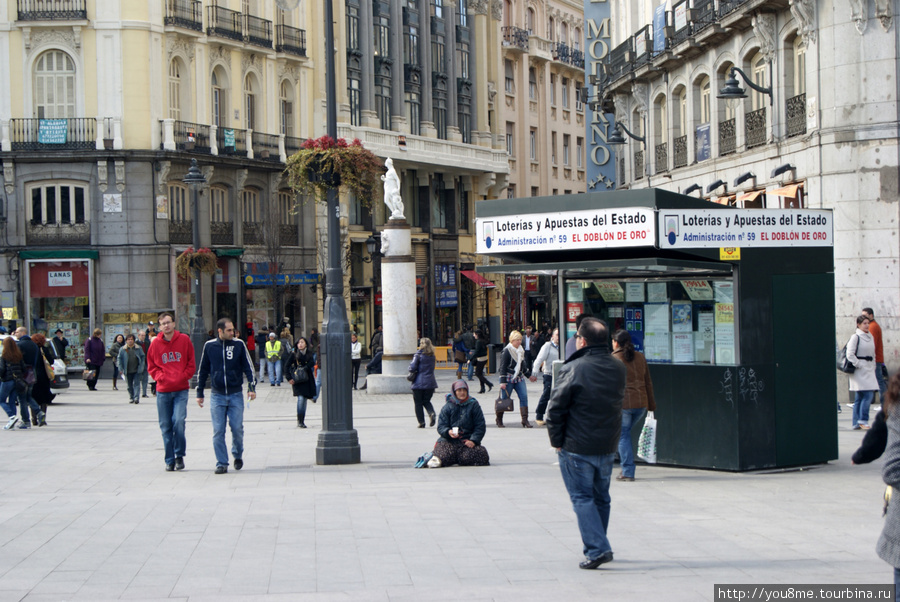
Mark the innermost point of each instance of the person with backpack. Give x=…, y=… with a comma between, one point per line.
x=861, y=353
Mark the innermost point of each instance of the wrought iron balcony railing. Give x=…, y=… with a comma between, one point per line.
x=252, y=235
x=231, y=141
x=704, y=15
x=225, y=23
x=290, y=40
x=755, y=127
x=221, y=233
x=58, y=234
x=185, y=13
x=181, y=232
x=726, y=7
x=662, y=157
x=79, y=133
x=639, y=165
x=727, y=137
x=288, y=235
x=566, y=54
x=52, y=10
x=292, y=144
x=265, y=146
x=258, y=31
x=515, y=37
x=190, y=137
x=681, y=152
x=795, y=110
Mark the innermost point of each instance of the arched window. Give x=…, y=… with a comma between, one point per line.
x=529, y=20
x=251, y=91
x=563, y=33
x=576, y=38
x=760, y=70
x=218, y=205
x=661, y=120
x=175, y=89
x=287, y=108
x=682, y=112
x=507, y=13
x=799, y=49
x=705, y=94
x=179, y=203
x=730, y=107
x=551, y=29
x=532, y=84
x=250, y=206
x=54, y=86
x=219, y=97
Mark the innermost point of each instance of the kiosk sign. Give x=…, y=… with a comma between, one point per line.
x=704, y=228
x=570, y=230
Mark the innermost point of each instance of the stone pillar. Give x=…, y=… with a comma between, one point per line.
x=398, y=302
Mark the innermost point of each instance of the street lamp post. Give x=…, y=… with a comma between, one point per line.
x=338, y=442
x=195, y=181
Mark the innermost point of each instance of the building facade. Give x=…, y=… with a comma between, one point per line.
x=817, y=129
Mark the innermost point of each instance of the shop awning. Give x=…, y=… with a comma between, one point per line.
x=60, y=254
x=789, y=191
x=749, y=197
x=228, y=252
x=615, y=268
x=478, y=279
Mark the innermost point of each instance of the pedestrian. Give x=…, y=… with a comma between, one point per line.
x=94, y=356
x=480, y=357
x=355, y=357
x=461, y=427
x=469, y=341
x=143, y=341
x=424, y=384
x=287, y=347
x=314, y=340
x=512, y=376
x=59, y=344
x=888, y=547
x=881, y=373
x=250, y=339
x=133, y=364
x=171, y=364
x=118, y=342
x=41, y=392
x=530, y=349
x=262, y=337
x=373, y=367
x=226, y=361
x=30, y=357
x=861, y=353
x=584, y=419
x=376, y=345
x=302, y=378
x=570, y=343
x=638, y=398
x=548, y=354
x=273, y=357
x=12, y=380
x=460, y=353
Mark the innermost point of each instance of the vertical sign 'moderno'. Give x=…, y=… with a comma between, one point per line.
x=601, y=165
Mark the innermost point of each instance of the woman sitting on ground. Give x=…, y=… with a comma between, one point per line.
x=461, y=426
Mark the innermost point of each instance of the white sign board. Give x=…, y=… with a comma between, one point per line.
x=570, y=230
x=59, y=278
x=699, y=228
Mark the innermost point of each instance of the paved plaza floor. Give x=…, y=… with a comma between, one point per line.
x=89, y=513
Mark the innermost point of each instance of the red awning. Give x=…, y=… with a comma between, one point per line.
x=478, y=279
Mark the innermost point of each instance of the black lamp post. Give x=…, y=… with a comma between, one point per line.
x=616, y=138
x=733, y=92
x=195, y=181
x=338, y=442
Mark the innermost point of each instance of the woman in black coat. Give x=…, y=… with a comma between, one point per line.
x=41, y=392
x=302, y=361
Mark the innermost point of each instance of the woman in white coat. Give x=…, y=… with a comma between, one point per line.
x=861, y=353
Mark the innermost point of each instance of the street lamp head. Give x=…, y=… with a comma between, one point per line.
x=732, y=89
x=194, y=177
x=616, y=138
x=371, y=245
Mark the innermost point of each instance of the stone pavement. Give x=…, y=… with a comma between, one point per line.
x=90, y=514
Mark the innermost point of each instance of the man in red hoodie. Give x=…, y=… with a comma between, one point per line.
x=171, y=364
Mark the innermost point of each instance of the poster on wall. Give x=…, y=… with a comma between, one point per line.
x=683, y=347
x=656, y=317
x=574, y=292
x=656, y=292
x=656, y=347
x=634, y=292
x=682, y=318
x=725, y=333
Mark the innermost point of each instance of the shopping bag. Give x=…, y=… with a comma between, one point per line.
x=647, y=440
x=504, y=403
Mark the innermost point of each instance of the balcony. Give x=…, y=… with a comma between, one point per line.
x=231, y=142
x=639, y=165
x=288, y=235
x=185, y=13
x=258, y=31
x=290, y=40
x=265, y=147
x=221, y=233
x=52, y=10
x=726, y=7
x=515, y=37
x=795, y=110
x=662, y=157
x=58, y=234
x=53, y=134
x=292, y=145
x=727, y=137
x=225, y=23
x=181, y=232
x=620, y=58
x=190, y=137
x=568, y=55
x=755, y=127
x=704, y=15
x=681, y=152
x=252, y=235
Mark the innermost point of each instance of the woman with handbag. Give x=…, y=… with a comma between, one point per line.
x=861, y=353
x=301, y=377
x=12, y=379
x=41, y=392
x=512, y=378
x=638, y=397
x=480, y=359
x=94, y=356
x=421, y=374
x=460, y=353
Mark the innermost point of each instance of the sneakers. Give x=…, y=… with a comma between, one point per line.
x=238, y=464
x=179, y=463
x=596, y=562
x=540, y=422
x=24, y=425
x=42, y=419
x=12, y=422
x=221, y=469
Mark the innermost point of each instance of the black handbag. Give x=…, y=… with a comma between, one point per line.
x=411, y=377
x=504, y=403
x=300, y=375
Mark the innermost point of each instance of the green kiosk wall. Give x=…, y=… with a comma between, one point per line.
x=774, y=406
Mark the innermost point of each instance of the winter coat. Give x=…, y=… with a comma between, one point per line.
x=874, y=442
x=226, y=363
x=511, y=364
x=171, y=363
x=424, y=364
x=376, y=344
x=481, y=350
x=122, y=359
x=888, y=547
x=114, y=351
x=585, y=411
x=638, y=387
x=10, y=371
x=305, y=361
x=95, y=352
x=467, y=415
x=548, y=354
x=861, y=353
x=41, y=390
x=356, y=350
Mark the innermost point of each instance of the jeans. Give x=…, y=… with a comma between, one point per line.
x=318, y=384
x=471, y=369
x=587, y=480
x=861, y=407
x=355, y=375
x=145, y=376
x=263, y=366
x=172, y=410
x=8, y=397
x=133, y=379
x=520, y=390
x=882, y=381
x=26, y=401
x=626, y=451
x=275, y=372
x=230, y=406
x=545, y=398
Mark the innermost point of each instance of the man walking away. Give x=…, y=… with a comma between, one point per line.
x=584, y=420
x=880, y=370
x=226, y=360
x=132, y=363
x=171, y=364
x=143, y=341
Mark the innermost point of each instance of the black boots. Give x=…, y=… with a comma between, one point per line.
x=300, y=419
x=525, y=423
x=500, y=419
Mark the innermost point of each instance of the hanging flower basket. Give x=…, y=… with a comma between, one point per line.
x=325, y=163
x=203, y=260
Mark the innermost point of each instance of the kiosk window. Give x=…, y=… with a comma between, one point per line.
x=670, y=320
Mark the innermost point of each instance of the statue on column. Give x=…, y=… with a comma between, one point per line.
x=392, y=191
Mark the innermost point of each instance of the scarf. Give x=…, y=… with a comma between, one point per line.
x=518, y=355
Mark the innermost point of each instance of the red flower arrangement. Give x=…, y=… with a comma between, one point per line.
x=203, y=260
x=323, y=163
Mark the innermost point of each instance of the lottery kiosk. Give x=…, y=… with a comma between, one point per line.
x=733, y=308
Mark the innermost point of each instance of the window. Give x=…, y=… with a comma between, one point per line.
x=510, y=76
x=438, y=202
x=462, y=208
x=566, y=139
x=661, y=120
x=218, y=97
x=60, y=203
x=437, y=54
x=510, y=147
x=576, y=38
x=534, y=191
x=437, y=8
x=356, y=210
x=439, y=110
x=250, y=213
x=287, y=108
x=382, y=32
x=175, y=89
x=411, y=45
x=760, y=78
x=250, y=92
x=511, y=191
x=462, y=59
x=464, y=117
x=532, y=137
x=353, y=94
x=565, y=92
x=578, y=104
x=563, y=33
x=413, y=112
x=218, y=205
x=54, y=86
x=704, y=100
x=463, y=13
x=179, y=203
x=799, y=66
x=551, y=30
x=353, y=26
x=529, y=20
x=532, y=84
x=383, y=101
x=579, y=151
x=553, y=147
x=682, y=112
x=553, y=89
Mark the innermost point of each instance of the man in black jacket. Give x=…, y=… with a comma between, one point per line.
x=584, y=420
x=225, y=360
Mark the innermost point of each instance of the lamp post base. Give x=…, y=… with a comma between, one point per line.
x=338, y=447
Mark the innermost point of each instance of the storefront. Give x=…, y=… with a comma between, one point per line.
x=733, y=309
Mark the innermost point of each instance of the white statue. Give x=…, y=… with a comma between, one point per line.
x=392, y=191
x=385, y=242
